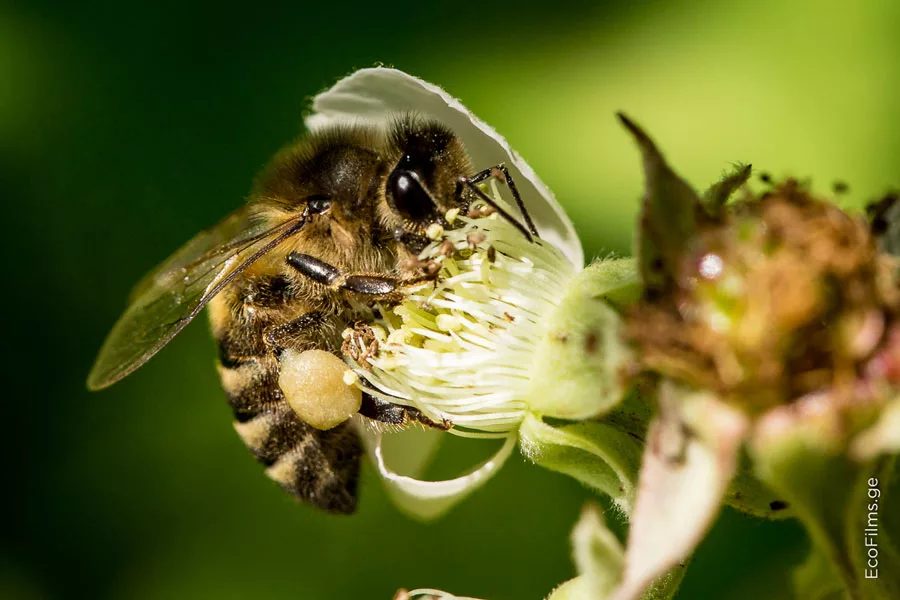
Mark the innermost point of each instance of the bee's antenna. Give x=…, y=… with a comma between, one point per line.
x=493, y=204
x=501, y=172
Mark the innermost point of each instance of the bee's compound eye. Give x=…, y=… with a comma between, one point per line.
x=410, y=199
x=318, y=203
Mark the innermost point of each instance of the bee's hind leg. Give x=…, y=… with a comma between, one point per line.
x=394, y=414
x=361, y=283
x=294, y=333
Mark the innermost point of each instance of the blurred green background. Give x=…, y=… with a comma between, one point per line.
x=125, y=128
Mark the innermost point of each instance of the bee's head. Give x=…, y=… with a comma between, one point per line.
x=427, y=160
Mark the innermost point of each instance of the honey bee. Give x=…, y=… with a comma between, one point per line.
x=333, y=226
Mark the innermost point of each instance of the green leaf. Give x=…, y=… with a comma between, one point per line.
x=816, y=579
x=596, y=454
x=749, y=495
x=803, y=455
x=668, y=219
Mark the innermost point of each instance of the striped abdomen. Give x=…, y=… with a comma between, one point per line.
x=320, y=467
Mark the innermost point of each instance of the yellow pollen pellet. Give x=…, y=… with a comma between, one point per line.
x=315, y=386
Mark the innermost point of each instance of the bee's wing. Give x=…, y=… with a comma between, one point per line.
x=171, y=295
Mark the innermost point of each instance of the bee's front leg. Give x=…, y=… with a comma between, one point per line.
x=361, y=283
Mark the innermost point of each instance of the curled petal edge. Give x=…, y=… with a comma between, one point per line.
x=376, y=95
x=427, y=500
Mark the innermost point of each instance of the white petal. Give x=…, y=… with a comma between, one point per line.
x=409, y=452
x=424, y=499
x=682, y=483
x=374, y=95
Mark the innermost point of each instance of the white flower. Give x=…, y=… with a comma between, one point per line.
x=491, y=342
x=462, y=349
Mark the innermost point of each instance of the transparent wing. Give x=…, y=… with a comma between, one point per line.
x=171, y=295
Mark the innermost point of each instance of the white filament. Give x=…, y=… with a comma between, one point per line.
x=460, y=348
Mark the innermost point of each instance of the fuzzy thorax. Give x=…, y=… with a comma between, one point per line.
x=460, y=348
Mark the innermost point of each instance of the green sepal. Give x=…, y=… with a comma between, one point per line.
x=668, y=219
x=576, y=367
x=885, y=218
x=666, y=587
x=596, y=454
x=598, y=555
x=600, y=560
x=717, y=195
x=578, y=588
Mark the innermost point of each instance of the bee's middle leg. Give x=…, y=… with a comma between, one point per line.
x=394, y=414
x=361, y=283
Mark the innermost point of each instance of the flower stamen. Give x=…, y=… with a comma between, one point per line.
x=459, y=348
